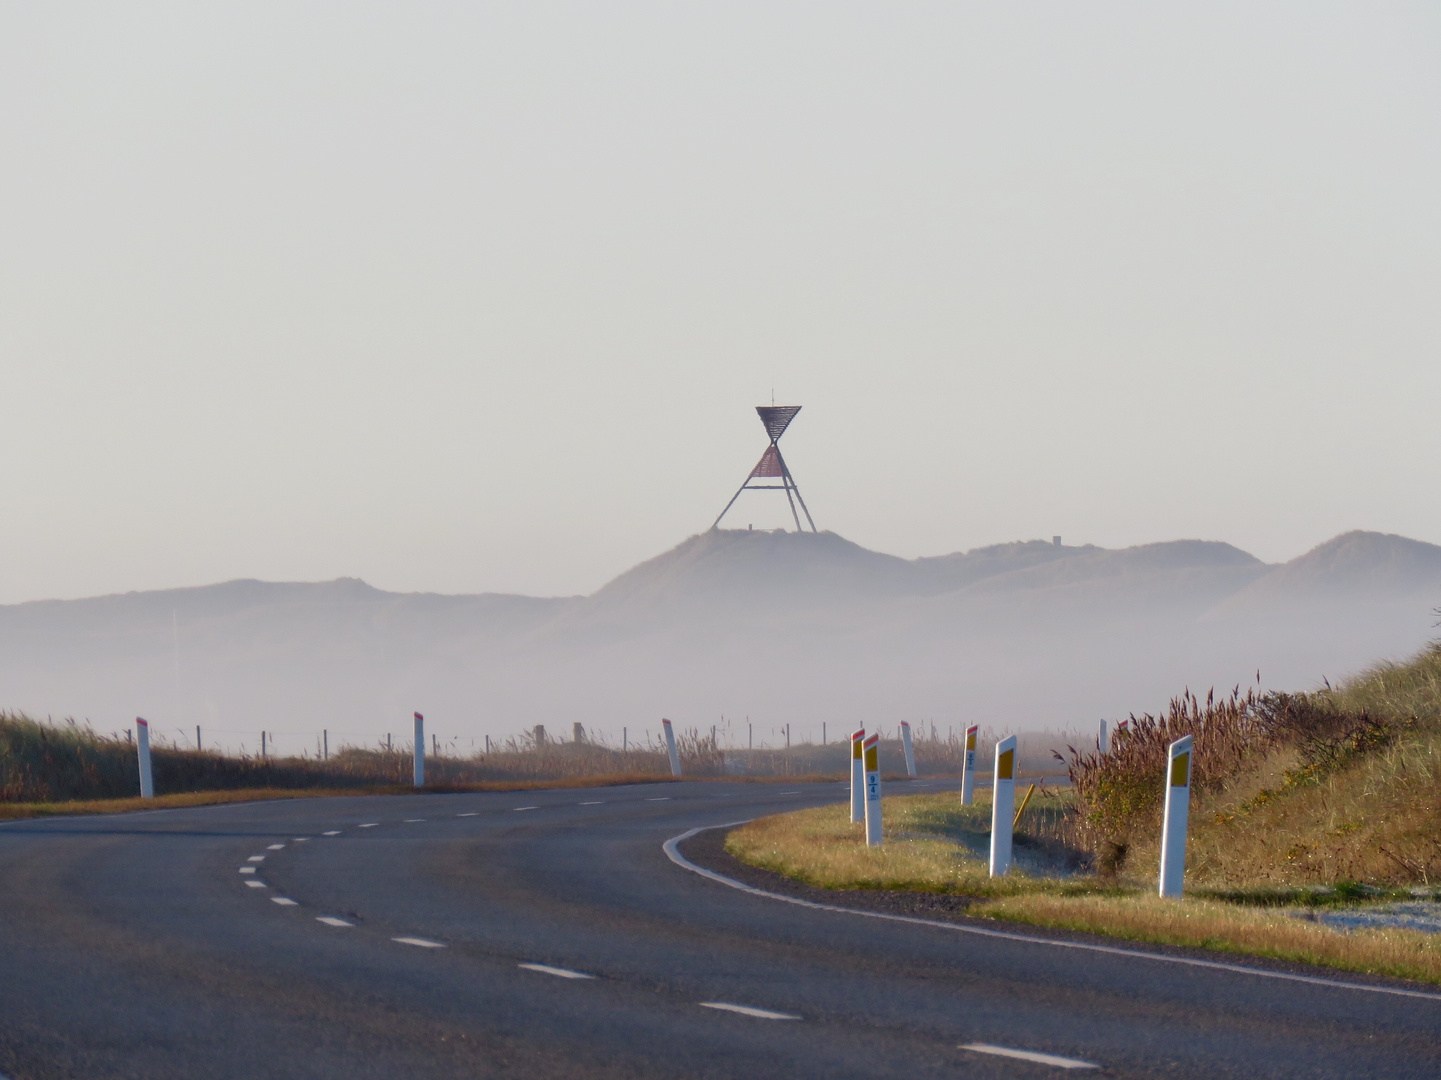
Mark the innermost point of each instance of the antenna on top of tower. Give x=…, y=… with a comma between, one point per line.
x=772, y=466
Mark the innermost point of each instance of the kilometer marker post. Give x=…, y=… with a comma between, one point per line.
x=670, y=747
x=906, y=746
x=858, y=777
x=142, y=749
x=873, y=791
x=1003, y=806
x=1173, y=826
x=968, y=773
x=419, y=750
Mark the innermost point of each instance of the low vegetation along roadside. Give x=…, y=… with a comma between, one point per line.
x=1301, y=805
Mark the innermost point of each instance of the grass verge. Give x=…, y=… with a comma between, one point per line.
x=935, y=845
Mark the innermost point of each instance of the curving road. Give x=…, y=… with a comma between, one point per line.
x=443, y=936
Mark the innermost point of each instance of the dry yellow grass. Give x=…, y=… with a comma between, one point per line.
x=1210, y=924
x=935, y=845
x=932, y=844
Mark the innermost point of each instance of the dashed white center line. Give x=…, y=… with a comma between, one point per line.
x=418, y=941
x=256, y=858
x=331, y=920
x=247, y=869
x=747, y=1010
x=283, y=901
x=597, y=802
x=300, y=839
x=659, y=798
x=518, y=809
x=1030, y=1055
x=332, y=832
x=790, y=792
x=370, y=825
x=413, y=820
x=274, y=847
x=471, y=814
x=256, y=884
x=564, y=973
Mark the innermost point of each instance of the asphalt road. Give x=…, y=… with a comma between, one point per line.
x=135, y=946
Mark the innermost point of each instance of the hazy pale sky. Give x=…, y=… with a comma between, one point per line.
x=467, y=297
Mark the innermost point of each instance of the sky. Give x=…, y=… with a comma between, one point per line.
x=474, y=297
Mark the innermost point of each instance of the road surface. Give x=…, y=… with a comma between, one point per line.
x=547, y=934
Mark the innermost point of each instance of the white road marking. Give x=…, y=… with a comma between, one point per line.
x=789, y=793
x=597, y=802
x=256, y=884
x=247, y=869
x=332, y=832
x=420, y=941
x=747, y=1010
x=256, y=858
x=413, y=820
x=283, y=901
x=370, y=825
x=672, y=850
x=659, y=798
x=471, y=814
x=1030, y=1055
x=564, y=973
x=518, y=809
x=300, y=839
x=275, y=847
x=331, y=920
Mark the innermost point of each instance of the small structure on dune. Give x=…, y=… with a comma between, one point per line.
x=772, y=466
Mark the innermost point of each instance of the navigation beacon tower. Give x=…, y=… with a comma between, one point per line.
x=772, y=466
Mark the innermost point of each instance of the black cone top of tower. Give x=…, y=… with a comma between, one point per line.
x=772, y=465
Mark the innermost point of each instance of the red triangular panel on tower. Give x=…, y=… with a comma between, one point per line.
x=769, y=464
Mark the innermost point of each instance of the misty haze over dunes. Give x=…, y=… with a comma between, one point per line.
x=783, y=627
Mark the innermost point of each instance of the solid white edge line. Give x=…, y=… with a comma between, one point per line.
x=564, y=973
x=671, y=848
x=419, y=941
x=1030, y=1055
x=746, y=1010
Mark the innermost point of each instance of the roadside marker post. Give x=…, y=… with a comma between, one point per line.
x=968, y=774
x=419, y=750
x=873, y=792
x=142, y=749
x=908, y=748
x=1173, y=827
x=1103, y=741
x=858, y=778
x=670, y=747
x=1003, y=806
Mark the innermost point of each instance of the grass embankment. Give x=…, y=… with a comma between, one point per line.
x=1298, y=801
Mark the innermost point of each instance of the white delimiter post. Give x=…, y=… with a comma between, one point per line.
x=142, y=747
x=968, y=774
x=1173, y=827
x=670, y=748
x=419, y=750
x=1104, y=739
x=1003, y=806
x=858, y=778
x=906, y=746
x=873, y=792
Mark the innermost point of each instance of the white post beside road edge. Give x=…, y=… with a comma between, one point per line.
x=906, y=746
x=858, y=778
x=419, y=750
x=1103, y=741
x=1178, y=806
x=873, y=792
x=968, y=774
x=1003, y=806
x=142, y=747
x=670, y=747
